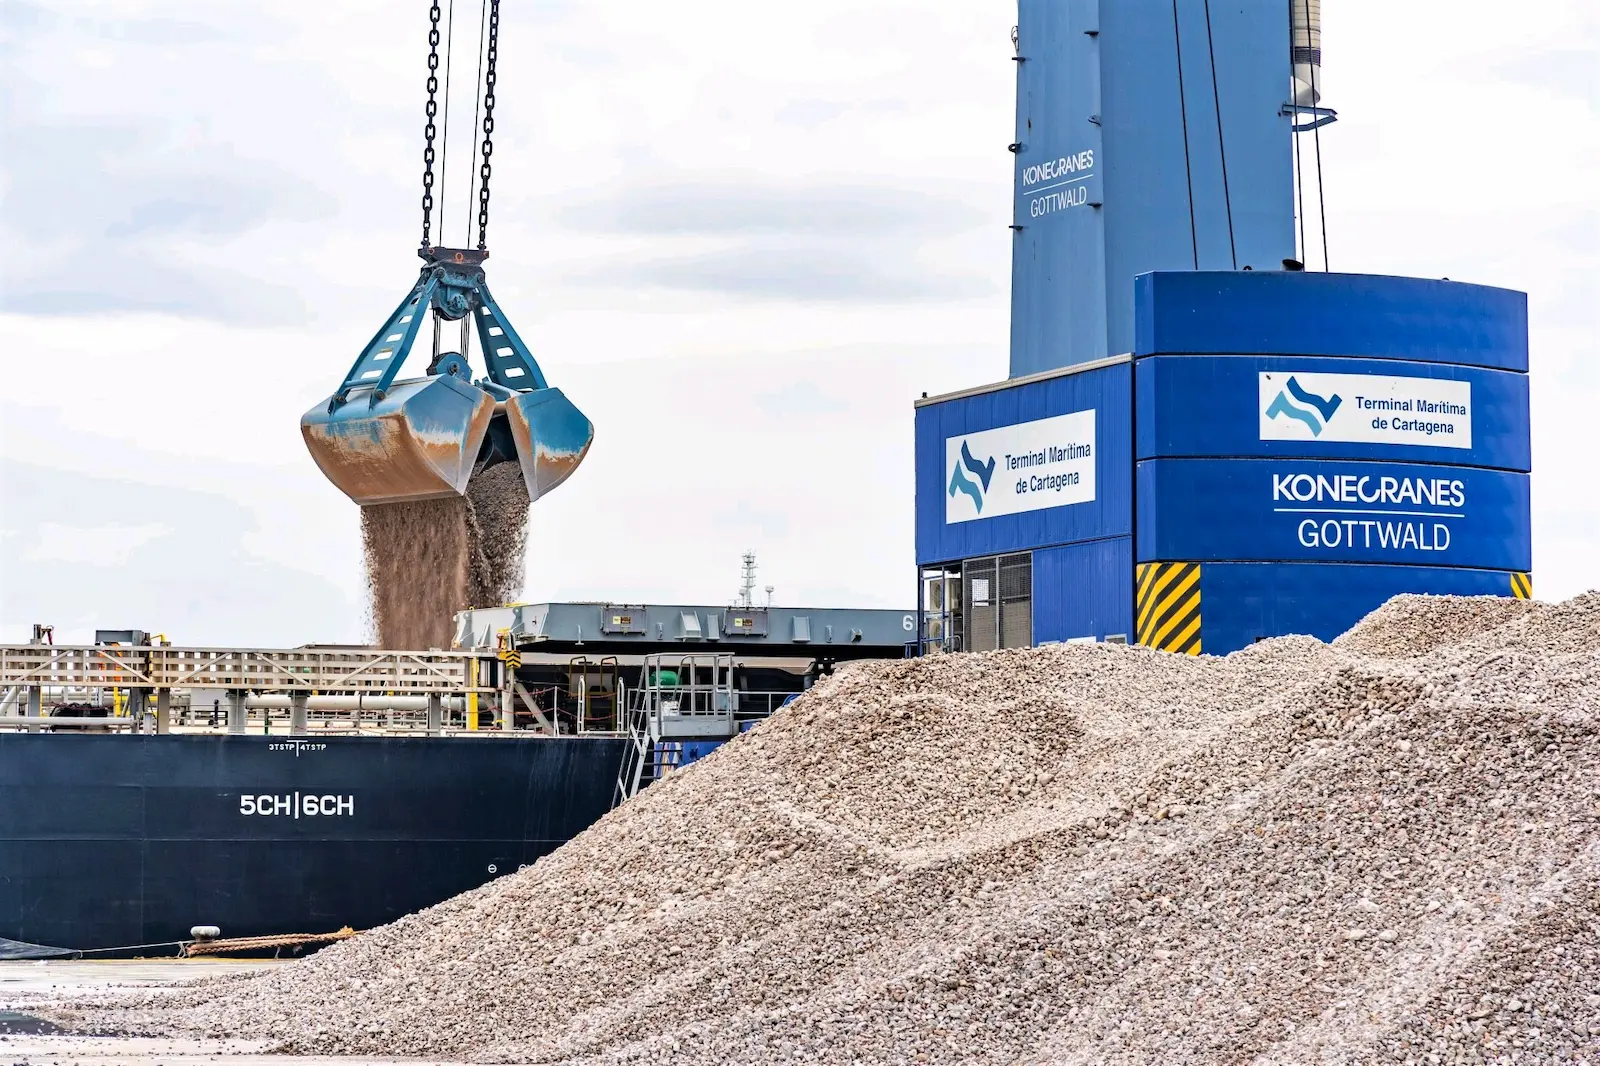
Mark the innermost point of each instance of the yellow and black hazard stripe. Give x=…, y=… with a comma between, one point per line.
x=506, y=649
x=1522, y=586
x=1167, y=607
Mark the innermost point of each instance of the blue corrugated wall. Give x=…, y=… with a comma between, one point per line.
x=1108, y=391
x=1366, y=315
x=1192, y=406
x=1269, y=510
x=1241, y=603
x=1285, y=529
x=1083, y=590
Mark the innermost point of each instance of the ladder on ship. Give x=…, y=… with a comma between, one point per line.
x=691, y=698
x=630, y=774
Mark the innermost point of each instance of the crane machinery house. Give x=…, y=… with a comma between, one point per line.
x=1202, y=443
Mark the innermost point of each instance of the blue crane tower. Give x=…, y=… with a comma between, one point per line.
x=1201, y=442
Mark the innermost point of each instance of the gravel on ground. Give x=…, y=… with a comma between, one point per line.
x=1386, y=849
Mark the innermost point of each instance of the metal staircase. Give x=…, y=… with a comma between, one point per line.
x=679, y=698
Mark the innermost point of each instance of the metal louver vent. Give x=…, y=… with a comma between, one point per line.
x=1016, y=601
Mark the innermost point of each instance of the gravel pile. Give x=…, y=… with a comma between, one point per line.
x=1299, y=853
x=1409, y=625
x=429, y=559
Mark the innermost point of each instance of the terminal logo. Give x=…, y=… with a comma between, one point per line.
x=1025, y=466
x=1364, y=409
x=960, y=482
x=1293, y=401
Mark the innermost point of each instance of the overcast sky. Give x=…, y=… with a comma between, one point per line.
x=741, y=242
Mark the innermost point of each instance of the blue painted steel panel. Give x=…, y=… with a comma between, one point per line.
x=1312, y=313
x=1241, y=602
x=1108, y=391
x=1083, y=590
x=1199, y=406
x=694, y=750
x=1110, y=184
x=1196, y=510
x=1058, y=277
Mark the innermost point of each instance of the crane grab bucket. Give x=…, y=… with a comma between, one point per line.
x=420, y=442
x=551, y=437
x=382, y=440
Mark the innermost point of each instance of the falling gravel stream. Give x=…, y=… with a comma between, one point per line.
x=429, y=559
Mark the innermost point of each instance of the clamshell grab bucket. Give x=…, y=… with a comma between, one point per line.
x=420, y=442
x=552, y=437
x=382, y=440
x=426, y=438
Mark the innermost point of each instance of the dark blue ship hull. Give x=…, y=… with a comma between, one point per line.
x=108, y=841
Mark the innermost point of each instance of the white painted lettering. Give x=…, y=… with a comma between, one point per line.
x=298, y=805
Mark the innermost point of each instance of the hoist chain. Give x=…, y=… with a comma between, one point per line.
x=488, y=124
x=428, y=131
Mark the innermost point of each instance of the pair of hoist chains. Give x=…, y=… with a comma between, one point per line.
x=488, y=124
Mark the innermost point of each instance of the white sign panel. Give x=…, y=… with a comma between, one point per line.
x=1025, y=467
x=1366, y=409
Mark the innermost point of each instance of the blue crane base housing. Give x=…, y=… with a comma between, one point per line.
x=1202, y=445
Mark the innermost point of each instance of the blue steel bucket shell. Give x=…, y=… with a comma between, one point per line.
x=551, y=435
x=417, y=443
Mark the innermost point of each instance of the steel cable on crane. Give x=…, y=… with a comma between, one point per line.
x=1299, y=165
x=477, y=107
x=1316, y=135
x=1183, y=110
x=444, y=133
x=1227, y=198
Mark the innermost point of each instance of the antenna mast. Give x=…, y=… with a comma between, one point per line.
x=747, y=581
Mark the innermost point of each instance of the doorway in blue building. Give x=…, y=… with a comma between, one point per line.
x=978, y=604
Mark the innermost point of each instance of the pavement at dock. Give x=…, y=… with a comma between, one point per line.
x=27, y=1041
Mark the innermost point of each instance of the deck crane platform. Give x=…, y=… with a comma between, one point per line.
x=381, y=438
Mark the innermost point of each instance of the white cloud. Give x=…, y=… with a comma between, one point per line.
x=663, y=150
x=107, y=545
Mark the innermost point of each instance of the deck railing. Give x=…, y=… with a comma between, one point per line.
x=256, y=669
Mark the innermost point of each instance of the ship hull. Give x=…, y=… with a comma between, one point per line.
x=108, y=841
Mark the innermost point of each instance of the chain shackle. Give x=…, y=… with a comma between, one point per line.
x=428, y=130
x=488, y=124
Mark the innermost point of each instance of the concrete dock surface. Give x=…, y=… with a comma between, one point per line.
x=27, y=1041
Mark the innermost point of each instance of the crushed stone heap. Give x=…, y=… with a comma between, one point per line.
x=1382, y=850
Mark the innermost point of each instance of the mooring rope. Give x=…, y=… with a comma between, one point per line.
x=259, y=943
